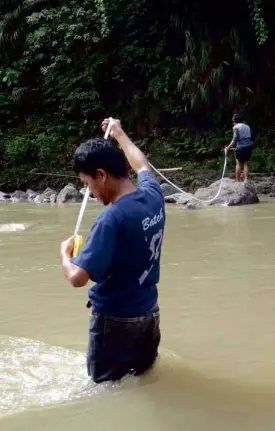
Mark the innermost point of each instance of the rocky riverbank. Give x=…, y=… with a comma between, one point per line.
x=69, y=194
x=232, y=193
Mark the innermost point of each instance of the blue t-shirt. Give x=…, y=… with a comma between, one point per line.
x=122, y=251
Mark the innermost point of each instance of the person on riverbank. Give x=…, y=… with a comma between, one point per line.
x=242, y=145
x=122, y=255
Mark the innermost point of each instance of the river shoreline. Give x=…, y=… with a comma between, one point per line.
x=71, y=193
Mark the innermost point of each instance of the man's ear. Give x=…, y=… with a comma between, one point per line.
x=101, y=174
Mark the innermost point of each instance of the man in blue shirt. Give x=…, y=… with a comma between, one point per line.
x=121, y=255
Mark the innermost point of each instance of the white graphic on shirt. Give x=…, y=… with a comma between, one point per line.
x=155, y=242
x=147, y=222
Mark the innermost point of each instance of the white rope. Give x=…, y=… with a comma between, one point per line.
x=87, y=193
x=182, y=191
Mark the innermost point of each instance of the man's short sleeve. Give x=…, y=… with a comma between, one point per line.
x=147, y=180
x=97, y=254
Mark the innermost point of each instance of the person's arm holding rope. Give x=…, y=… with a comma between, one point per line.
x=233, y=142
x=135, y=157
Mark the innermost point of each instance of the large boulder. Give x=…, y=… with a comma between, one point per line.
x=19, y=196
x=167, y=189
x=69, y=195
x=178, y=198
x=48, y=196
x=232, y=193
x=31, y=195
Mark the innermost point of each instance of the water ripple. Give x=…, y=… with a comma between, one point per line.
x=33, y=373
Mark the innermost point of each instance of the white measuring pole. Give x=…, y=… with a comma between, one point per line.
x=87, y=193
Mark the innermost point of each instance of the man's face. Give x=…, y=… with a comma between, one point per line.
x=98, y=186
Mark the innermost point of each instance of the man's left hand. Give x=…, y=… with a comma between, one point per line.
x=67, y=247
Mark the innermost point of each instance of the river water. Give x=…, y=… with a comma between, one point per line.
x=216, y=370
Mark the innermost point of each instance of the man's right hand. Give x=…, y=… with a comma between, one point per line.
x=135, y=157
x=116, y=129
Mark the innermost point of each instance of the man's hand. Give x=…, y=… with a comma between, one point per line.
x=229, y=148
x=67, y=247
x=77, y=276
x=135, y=157
x=116, y=129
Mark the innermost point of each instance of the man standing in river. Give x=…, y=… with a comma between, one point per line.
x=243, y=142
x=121, y=255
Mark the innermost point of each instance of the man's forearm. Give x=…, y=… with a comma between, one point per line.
x=135, y=157
x=75, y=275
x=231, y=145
x=66, y=265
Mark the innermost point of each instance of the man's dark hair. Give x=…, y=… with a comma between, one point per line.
x=100, y=153
x=237, y=118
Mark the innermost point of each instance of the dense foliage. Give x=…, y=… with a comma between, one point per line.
x=176, y=69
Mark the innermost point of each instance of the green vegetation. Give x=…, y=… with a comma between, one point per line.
x=173, y=71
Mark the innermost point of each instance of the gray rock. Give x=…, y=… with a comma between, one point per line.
x=264, y=186
x=19, y=196
x=272, y=193
x=232, y=193
x=167, y=189
x=45, y=197
x=178, y=198
x=53, y=198
x=31, y=195
x=69, y=194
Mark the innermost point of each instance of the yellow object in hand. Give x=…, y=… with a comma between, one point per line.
x=78, y=244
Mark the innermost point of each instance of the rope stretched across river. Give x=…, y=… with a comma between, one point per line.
x=160, y=174
x=182, y=191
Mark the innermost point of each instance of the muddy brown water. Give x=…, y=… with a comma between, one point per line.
x=217, y=297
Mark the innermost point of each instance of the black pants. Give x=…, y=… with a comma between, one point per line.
x=119, y=346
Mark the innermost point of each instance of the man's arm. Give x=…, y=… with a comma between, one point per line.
x=96, y=256
x=78, y=277
x=135, y=157
x=234, y=140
